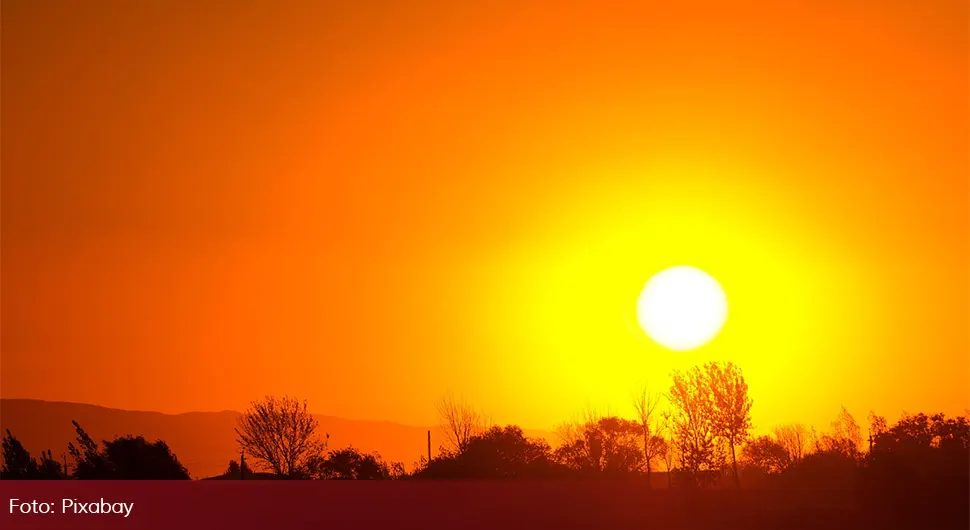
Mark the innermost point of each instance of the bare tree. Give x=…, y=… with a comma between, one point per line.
x=814, y=440
x=645, y=404
x=459, y=421
x=281, y=435
x=846, y=437
x=845, y=428
x=795, y=438
x=667, y=449
x=732, y=407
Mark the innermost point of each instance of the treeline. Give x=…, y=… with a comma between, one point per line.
x=124, y=458
x=700, y=438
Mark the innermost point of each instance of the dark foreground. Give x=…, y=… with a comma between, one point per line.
x=470, y=505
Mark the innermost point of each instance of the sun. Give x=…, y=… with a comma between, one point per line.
x=682, y=308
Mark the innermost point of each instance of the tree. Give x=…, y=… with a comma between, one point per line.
x=351, y=464
x=846, y=428
x=794, y=439
x=845, y=439
x=923, y=448
x=49, y=468
x=732, y=407
x=645, y=403
x=877, y=426
x=666, y=448
x=89, y=463
x=398, y=471
x=609, y=445
x=693, y=425
x=923, y=456
x=281, y=435
x=459, y=422
x=498, y=453
x=19, y=465
x=237, y=472
x=134, y=458
x=124, y=458
x=824, y=469
x=766, y=454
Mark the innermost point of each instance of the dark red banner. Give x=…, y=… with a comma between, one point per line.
x=66, y=505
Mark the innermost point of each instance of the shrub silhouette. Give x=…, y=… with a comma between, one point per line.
x=235, y=471
x=498, y=453
x=124, y=458
x=19, y=465
x=134, y=458
x=351, y=464
x=604, y=446
x=922, y=450
x=766, y=455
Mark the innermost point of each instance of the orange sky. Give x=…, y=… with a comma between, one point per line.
x=206, y=202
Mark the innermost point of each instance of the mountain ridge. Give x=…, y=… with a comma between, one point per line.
x=203, y=441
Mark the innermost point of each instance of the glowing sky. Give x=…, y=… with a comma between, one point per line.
x=206, y=202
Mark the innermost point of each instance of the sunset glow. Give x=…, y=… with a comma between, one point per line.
x=370, y=207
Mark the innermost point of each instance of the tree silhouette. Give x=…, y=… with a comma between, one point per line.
x=281, y=435
x=18, y=464
x=877, y=424
x=49, y=467
x=459, y=421
x=732, y=407
x=351, y=464
x=794, y=439
x=89, y=463
x=845, y=439
x=923, y=449
x=666, y=445
x=497, y=453
x=645, y=404
x=609, y=445
x=846, y=428
x=134, y=458
x=693, y=425
x=824, y=470
x=124, y=458
x=766, y=454
x=237, y=472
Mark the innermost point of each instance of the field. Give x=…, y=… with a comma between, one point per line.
x=464, y=505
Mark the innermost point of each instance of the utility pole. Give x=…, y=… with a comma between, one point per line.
x=242, y=464
x=429, y=446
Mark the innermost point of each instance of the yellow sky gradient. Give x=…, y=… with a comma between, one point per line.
x=368, y=206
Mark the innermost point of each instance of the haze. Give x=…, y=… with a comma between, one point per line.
x=369, y=205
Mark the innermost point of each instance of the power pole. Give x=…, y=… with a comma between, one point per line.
x=429, y=446
x=242, y=464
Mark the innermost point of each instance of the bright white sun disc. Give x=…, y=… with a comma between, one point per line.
x=682, y=308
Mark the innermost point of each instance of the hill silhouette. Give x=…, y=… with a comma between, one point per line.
x=203, y=441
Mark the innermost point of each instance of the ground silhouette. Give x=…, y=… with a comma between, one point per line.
x=913, y=473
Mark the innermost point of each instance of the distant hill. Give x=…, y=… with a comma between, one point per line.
x=203, y=441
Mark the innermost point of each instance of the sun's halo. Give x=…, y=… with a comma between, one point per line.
x=682, y=308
